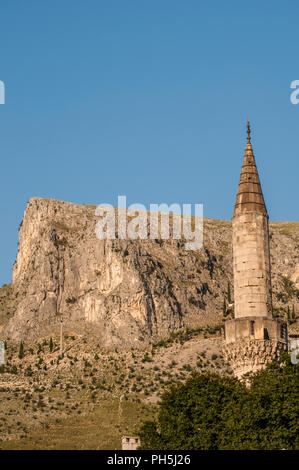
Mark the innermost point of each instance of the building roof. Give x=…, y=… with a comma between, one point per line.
x=250, y=195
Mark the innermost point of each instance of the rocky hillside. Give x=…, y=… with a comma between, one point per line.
x=126, y=292
x=47, y=397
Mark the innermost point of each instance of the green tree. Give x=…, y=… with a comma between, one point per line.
x=28, y=372
x=51, y=345
x=21, y=350
x=224, y=307
x=14, y=369
x=229, y=298
x=216, y=412
x=266, y=416
x=190, y=414
x=288, y=315
x=293, y=316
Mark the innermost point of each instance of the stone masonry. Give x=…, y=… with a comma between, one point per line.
x=253, y=337
x=130, y=443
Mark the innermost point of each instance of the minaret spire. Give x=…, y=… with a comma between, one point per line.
x=250, y=195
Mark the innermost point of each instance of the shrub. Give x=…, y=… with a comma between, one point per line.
x=21, y=350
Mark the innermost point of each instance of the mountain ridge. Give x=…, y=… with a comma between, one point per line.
x=127, y=292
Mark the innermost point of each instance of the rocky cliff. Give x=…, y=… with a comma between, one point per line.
x=128, y=292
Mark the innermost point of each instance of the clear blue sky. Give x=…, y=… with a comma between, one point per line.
x=146, y=98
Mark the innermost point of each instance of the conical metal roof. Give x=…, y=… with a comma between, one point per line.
x=250, y=196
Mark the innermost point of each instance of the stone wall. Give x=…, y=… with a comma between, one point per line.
x=252, y=355
x=255, y=328
x=251, y=262
x=130, y=443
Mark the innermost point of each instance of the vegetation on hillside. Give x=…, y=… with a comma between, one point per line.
x=6, y=303
x=42, y=389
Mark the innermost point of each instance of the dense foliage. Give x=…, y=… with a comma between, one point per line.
x=216, y=412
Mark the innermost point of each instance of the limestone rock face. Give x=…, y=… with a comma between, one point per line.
x=126, y=292
x=295, y=277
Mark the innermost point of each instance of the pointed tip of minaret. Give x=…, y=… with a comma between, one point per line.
x=248, y=146
x=250, y=195
x=248, y=131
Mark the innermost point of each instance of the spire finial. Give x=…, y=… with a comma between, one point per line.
x=248, y=131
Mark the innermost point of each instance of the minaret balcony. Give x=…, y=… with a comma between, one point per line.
x=255, y=328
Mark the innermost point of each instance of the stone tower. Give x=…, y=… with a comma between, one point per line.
x=253, y=337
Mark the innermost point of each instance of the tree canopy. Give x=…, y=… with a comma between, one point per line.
x=210, y=411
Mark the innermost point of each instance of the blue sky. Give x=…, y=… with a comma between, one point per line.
x=148, y=99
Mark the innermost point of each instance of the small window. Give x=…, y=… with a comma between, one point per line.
x=127, y=439
x=252, y=327
x=266, y=334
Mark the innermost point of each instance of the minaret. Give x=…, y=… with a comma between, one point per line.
x=253, y=337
